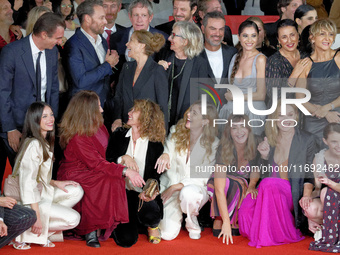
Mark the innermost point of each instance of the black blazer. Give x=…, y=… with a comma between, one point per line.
x=194, y=68
x=166, y=27
x=117, y=147
x=301, y=153
x=227, y=53
x=152, y=83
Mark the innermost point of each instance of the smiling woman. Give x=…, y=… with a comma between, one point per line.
x=247, y=70
x=322, y=69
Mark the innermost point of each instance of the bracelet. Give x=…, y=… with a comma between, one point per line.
x=124, y=171
x=332, y=106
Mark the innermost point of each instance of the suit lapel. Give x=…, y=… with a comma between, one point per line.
x=142, y=78
x=28, y=60
x=49, y=78
x=225, y=63
x=87, y=44
x=131, y=66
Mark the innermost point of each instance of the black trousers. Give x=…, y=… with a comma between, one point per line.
x=126, y=234
x=17, y=220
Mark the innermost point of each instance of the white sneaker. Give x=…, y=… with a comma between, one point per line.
x=195, y=236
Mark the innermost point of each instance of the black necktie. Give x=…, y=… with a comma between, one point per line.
x=38, y=77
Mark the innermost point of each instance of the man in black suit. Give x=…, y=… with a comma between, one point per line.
x=14, y=219
x=111, y=8
x=217, y=53
x=205, y=6
x=183, y=10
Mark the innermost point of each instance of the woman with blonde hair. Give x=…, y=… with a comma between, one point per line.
x=191, y=145
x=140, y=144
x=286, y=153
x=235, y=159
x=182, y=64
x=84, y=139
x=247, y=70
x=321, y=76
x=33, y=16
x=142, y=78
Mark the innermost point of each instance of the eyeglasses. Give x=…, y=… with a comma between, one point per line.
x=64, y=5
x=173, y=35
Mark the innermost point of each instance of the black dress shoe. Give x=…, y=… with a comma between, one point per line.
x=92, y=239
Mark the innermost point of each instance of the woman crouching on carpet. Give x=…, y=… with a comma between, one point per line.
x=324, y=211
x=84, y=139
x=138, y=146
x=51, y=200
x=192, y=143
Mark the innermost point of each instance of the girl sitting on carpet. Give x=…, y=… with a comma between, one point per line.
x=324, y=212
x=51, y=200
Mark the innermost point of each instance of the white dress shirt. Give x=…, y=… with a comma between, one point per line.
x=97, y=45
x=35, y=54
x=138, y=154
x=215, y=59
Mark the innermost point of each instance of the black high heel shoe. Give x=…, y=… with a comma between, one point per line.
x=92, y=239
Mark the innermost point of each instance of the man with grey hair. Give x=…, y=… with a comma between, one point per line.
x=217, y=54
x=140, y=14
x=88, y=60
x=206, y=6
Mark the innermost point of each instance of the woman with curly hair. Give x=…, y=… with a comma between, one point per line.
x=142, y=78
x=189, y=151
x=140, y=144
x=84, y=139
x=247, y=70
x=235, y=158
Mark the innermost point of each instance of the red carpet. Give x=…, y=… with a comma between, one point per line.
x=181, y=245
x=208, y=244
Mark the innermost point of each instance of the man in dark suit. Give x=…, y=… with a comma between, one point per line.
x=111, y=7
x=21, y=85
x=14, y=219
x=89, y=62
x=205, y=6
x=183, y=10
x=217, y=54
x=140, y=14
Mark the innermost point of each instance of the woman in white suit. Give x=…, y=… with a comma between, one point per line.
x=51, y=200
x=189, y=149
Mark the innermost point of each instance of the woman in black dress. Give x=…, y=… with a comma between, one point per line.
x=284, y=67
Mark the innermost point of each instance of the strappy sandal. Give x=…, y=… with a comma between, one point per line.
x=154, y=239
x=49, y=244
x=21, y=246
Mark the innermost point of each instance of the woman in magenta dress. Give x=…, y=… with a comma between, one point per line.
x=272, y=217
x=84, y=139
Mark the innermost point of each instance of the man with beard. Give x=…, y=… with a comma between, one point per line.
x=111, y=7
x=89, y=62
x=217, y=54
x=183, y=10
x=206, y=6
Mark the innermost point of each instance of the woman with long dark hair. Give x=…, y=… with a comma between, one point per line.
x=247, y=70
x=51, y=200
